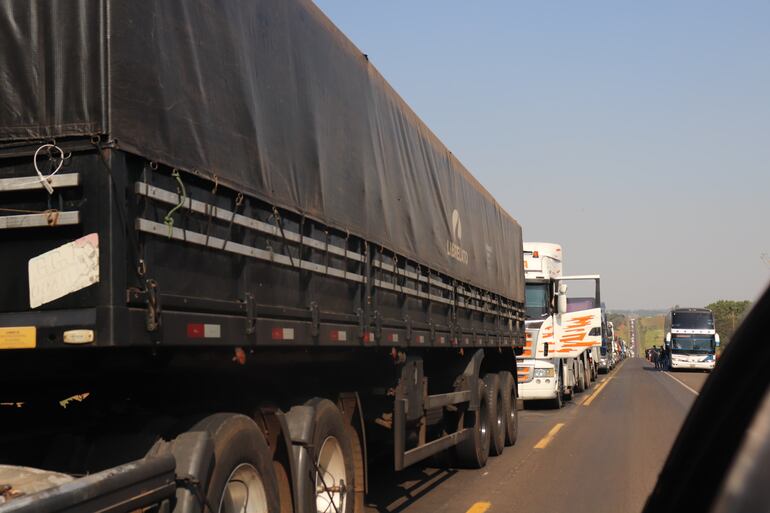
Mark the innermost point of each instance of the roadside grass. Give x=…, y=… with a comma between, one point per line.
x=650, y=331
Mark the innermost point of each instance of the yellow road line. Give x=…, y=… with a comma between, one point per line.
x=591, y=397
x=588, y=400
x=479, y=507
x=543, y=443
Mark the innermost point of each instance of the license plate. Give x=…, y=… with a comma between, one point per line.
x=19, y=337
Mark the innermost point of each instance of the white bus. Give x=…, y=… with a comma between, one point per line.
x=691, y=339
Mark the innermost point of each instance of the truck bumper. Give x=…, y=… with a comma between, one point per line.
x=532, y=390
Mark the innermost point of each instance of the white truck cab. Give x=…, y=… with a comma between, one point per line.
x=537, y=369
x=561, y=330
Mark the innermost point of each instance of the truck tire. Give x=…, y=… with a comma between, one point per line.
x=510, y=414
x=332, y=485
x=494, y=398
x=474, y=450
x=578, y=387
x=243, y=478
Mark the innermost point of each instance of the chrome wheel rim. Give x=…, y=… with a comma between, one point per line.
x=330, y=478
x=244, y=491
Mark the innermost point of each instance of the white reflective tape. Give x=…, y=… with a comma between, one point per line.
x=394, y=337
x=342, y=336
x=212, y=331
x=288, y=334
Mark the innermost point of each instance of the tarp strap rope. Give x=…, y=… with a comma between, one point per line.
x=96, y=140
x=238, y=202
x=168, y=220
x=211, y=208
x=277, y=217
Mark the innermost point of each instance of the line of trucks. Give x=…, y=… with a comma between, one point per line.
x=237, y=270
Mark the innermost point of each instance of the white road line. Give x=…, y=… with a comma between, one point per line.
x=680, y=382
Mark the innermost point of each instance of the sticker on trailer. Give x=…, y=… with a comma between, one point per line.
x=21, y=337
x=64, y=270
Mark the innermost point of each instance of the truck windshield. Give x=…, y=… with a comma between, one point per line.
x=692, y=344
x=692, y=321
x=537, y=300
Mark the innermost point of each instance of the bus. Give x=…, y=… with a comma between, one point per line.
x=691, y=339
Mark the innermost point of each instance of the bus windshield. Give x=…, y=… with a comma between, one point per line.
x=692, y=321
x=537, y=300
x=692, y=344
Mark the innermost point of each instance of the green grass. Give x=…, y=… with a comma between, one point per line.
x=650, y=331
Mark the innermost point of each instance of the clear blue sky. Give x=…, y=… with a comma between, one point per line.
x=636, y=134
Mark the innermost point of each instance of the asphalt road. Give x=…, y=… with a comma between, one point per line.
x=601, y=453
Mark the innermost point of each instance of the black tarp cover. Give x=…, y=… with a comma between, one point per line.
x=270, y=97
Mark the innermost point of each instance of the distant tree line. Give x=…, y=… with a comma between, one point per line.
x=728, y=316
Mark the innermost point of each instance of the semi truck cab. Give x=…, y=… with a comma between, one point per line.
x=561, y=331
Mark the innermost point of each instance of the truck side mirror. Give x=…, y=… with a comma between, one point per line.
x=561, y=303
x=545, y=348
x=561, y=298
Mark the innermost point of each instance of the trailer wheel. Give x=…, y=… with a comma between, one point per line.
x=510, y=414
x=332, y=473
x=242, y=479
x=494, y=398
x=474, y=450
